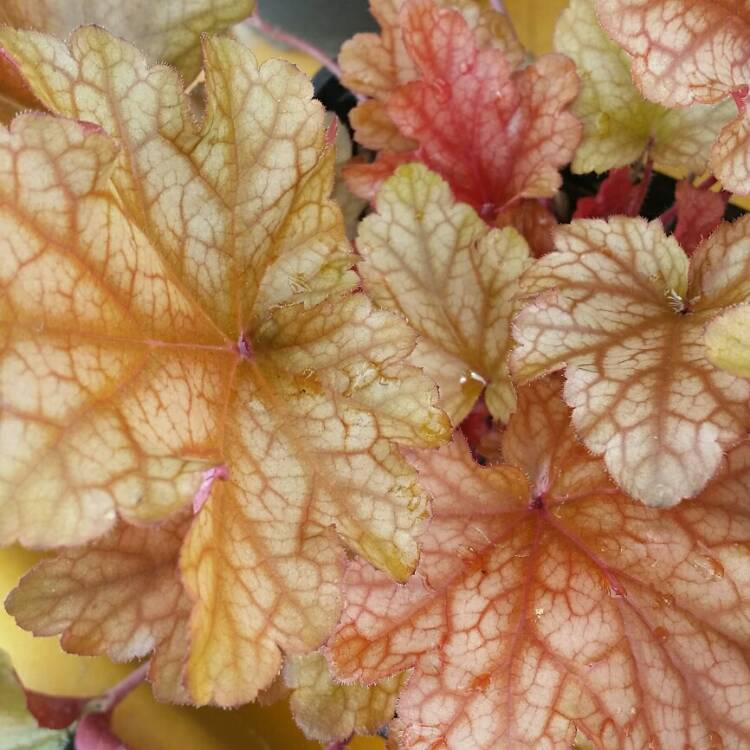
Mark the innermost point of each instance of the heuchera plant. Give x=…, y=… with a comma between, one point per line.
x=480, y=481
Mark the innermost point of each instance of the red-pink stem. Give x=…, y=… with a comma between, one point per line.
x=106, y=702
x=499, y=6
x=338, y=744
x=669, y=216
x=292, y=40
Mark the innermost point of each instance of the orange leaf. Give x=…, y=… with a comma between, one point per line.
x=521, y=132
x=624, y=312
x=532, y=220
x=121, y=596
x=546, y=601
x=202, y=321
x=691, y=52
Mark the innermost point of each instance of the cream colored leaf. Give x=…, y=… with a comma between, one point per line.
x=728, y=341
x=327, y=710
x=286, y=372
x=620, y=126
x=438, y=264
x=618, y=308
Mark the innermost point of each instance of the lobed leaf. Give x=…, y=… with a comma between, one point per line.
x=18, y=728
x=327, y=710
x=255, y=360
x=438, y=264
x=120, y=596
x=619, y=308
x=619, y=125
x=547, y=603
x=521, y=132
x=691, y=52
x=376, y=64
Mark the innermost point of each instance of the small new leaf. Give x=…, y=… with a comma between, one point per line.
x=623, y=310
x=438, y=264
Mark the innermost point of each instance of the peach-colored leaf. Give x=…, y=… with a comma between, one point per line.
x=120, y=596
x=285, y=381
x=438, y=264
x=728, y=341
x=622, y=309
x=547, y=602
x=620, y=126
x=327, y=710
x=18, y=728
x=683, y=53
x=521, y=132
x=617, y=194
x=699, y=212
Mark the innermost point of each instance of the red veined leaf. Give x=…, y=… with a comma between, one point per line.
x=522, y=132
x=534, y=221
x=204, y=320
x=623, y=310
x=547, y=602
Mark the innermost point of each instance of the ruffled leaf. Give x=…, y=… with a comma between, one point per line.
x=522, y=132
x=699, y=213
x=686, y=53
x=620, y=126
x=18, y=728
x=438, y=264
x=547, y=602
x=728, y=341
x=376, y=64
x=621, y=310
x=327, y=710
x=120, y=596
x=202, y=322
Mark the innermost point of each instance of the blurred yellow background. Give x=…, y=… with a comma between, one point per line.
x=140, y=721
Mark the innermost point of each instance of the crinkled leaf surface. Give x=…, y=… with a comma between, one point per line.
x=521, y=131
x=120, y=595
x=620, y=126
x=695, y=51
x=376, y=64
x=617, y=194
x=327, y=710
x=728, y=341
x=546, y=601
x=534, y=221
x=202, y=316
x=18, y=728
x=699, y=212
x=438, y=264
x=624, y=311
